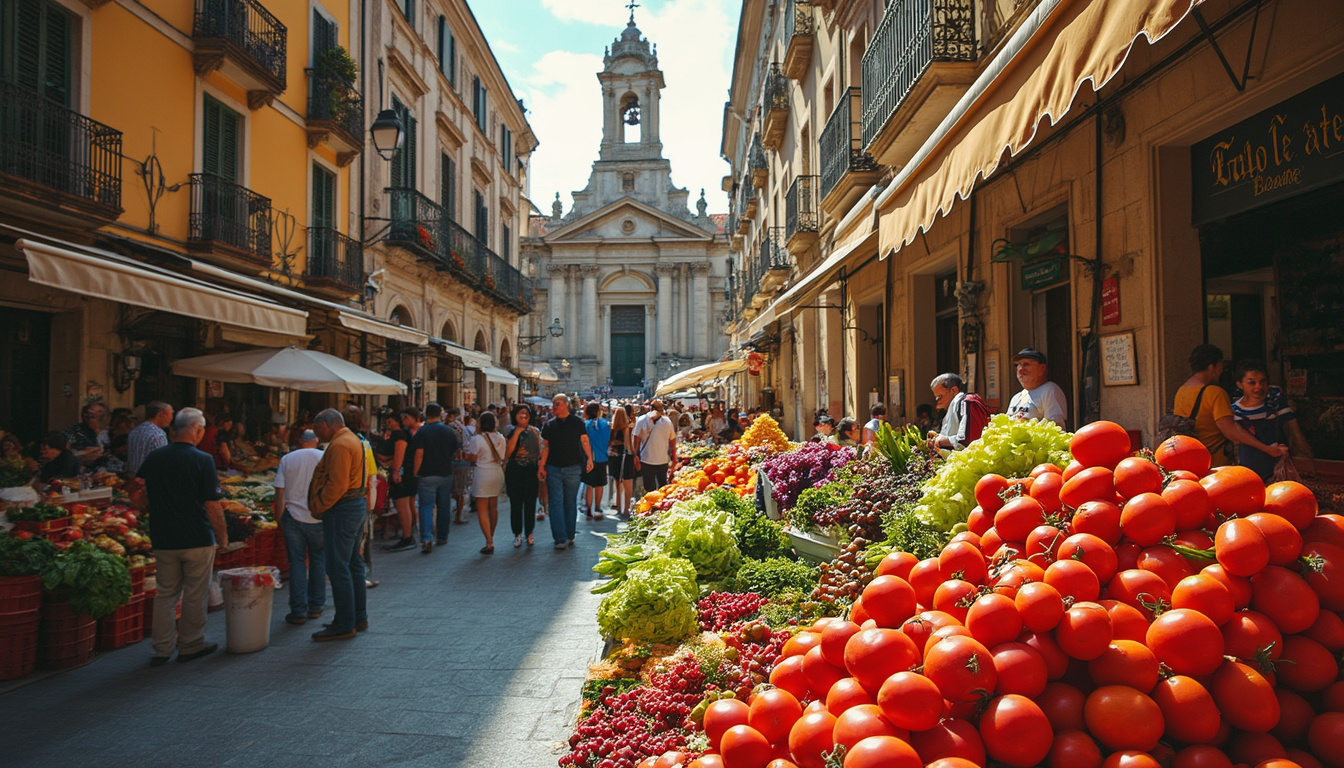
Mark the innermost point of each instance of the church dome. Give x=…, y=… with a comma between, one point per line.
x=633, y=44
x=631, y=33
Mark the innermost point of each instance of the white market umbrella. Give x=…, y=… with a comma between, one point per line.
x=290, y=368
x=537, y=400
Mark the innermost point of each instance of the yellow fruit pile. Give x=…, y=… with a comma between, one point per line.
x=765, y=431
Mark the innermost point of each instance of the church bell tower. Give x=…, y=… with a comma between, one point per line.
x=632, y=85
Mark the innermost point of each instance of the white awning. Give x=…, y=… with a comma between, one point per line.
x=540, y=371
x=499, y=375
x=106, y=275
x=470, y=358
x=386, y=330
x=701, y=373
x=812, y=283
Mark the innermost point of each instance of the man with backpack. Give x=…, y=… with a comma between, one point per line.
x=966, y=416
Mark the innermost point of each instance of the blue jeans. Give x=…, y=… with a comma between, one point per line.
x=435, y=490
x=307, y=587
x=342, y=529
x=562, y=500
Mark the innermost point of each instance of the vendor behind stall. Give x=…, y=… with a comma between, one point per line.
x=57, y=458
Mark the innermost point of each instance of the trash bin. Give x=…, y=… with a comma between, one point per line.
x=247, y=607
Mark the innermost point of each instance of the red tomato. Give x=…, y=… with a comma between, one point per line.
x=1139, y=588
x=744, y=747
x=1204, y=594
x=789, y=675
x=1093, y=551
x=811, y=737
x=773, y=712
x=1186, y=641
x=1056, y=661
x=910, y=701
x=1020, y=669
x=1063, y=706
x=1127, y=555
x=896, y=564
x=1295, y=716
x=1166, y=563
x=953, y=597
x=970, y=537
x=1042, y=544
x=1285, y=598
x=1073, y=749
x=1182, y=452
x=801, y=643
x=890, y=600
x=1074, y=468
x=979, y=521
x=873, y=655
x=1146, y=519
x=1326, y=737
x=1248, y=633
x=1040, y=606
x=1241, y=547
x=1100, y=518
x=1238, y=586
x=1201, y=756
x=844, y=694
x=993, y=619
x=1012, y=577
x=1187, y=709
x=1100, y=444
x=1244, y=697
x=859, y=615
x=722, y=715
x=1328, y=630
x=706, y=761
x=961, y=667
x=1285, y=543
x=1091, y=484
x=1293, y=502
x=1254, y=748
x=882, y=752
x=951, y=738
x=858, y=723
x=961, y=560
x=952, y=762
x=991, y=542
x=821, y=674
x=1085, y=631
x=1125, y=662
x=1306, y=666
x=1325, y=529
x=1131, y=758
x=1324, y=573
x=1235, y=491
x=1303, y=760
x=1046, y=490
x=987, y=490
x=1045, y=469
x=925, y=579
x=1127, y=623
x=1189, y=503
x=1015, y=731
x=781, y=763
x=1121, y=717
x=1015, y=519
x=1136, y=475
x=1073, y=579
x=833, y=639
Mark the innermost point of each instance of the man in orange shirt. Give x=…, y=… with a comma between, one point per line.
x=1215, y=426
x=337, y=497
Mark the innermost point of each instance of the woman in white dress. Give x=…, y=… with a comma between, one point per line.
x=486, y=450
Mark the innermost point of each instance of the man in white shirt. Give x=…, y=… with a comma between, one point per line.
x=949, y=392
x=1040, y=398
x=303, y=532
x=655, y=447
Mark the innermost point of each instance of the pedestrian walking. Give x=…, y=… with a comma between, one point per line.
x=565, y=456
x=302, y=531
x=463, y=470
x=149, y=435
x=655, y=447
x=522, y=452
x=620, y=460
x=436, y=449
x=599, y=439
x=179, y=490
x=375, y=485
x=337, y=496
x=487, y=450
x=405, y=484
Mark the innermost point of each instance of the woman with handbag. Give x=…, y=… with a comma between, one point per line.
x=1263, y=411
x=1203, y=410
x=487, y=450
x=520, y=473
x=620, y=462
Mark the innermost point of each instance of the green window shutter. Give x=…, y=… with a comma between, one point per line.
x=441, y=49
x=452, y=60
x=36, y=48
x=403, y=163
x=324, y=36
x=220, y=136
x=410, y=151
x=56, y=56
x=324, y=198
x=210, y=137
x=448, y=185
x=27, y=67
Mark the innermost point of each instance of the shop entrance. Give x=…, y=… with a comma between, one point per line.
x=25, y=347
x=627, y=346
x=1042, y=306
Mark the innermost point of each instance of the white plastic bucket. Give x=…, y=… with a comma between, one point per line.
x=247, y=607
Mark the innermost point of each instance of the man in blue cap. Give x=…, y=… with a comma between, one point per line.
x=1040, y=398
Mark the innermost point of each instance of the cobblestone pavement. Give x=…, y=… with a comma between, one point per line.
x=470, y=660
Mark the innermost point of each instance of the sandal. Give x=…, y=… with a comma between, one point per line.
x=487, y=550
x=517, y=541
x=530, y=540
x=598, y=516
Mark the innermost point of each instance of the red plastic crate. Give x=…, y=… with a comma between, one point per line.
x=47, y=529
x=124, y=626
x=18, y=654
x=138, y=575
x=281, y=557
x=66, y=639
x=19, y=623
x=233, y=559
x=147, y=610
x=20, y=594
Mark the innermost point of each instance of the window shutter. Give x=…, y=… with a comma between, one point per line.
x=228, y=144
x=28, y=45
x=324, y=198
x=56, y=78
x=210, y=137
x=442, y=49
x=448, y=185
x=403, y=163
x=452, y=60
x=324, y=36
x=410, y=151
x=408, y=8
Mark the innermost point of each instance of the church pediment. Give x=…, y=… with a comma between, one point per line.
x=626, y=219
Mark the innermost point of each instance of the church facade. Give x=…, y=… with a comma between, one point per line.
x=636, y=279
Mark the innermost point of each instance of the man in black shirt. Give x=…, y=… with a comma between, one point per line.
x=180, y=491
x=435, y=446
x=565, y=456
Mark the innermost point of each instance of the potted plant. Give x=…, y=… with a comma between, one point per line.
x=335, y=74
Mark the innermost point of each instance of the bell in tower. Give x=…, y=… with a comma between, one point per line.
x=632, y=86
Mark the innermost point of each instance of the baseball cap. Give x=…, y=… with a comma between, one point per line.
x=1030, y=354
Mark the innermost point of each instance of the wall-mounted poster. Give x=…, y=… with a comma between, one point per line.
x=1118, y=365
x=992, y=379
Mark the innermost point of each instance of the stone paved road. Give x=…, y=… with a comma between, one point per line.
x=470, y=661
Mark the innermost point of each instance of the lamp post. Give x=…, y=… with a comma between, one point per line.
x=388, y=133
x=555, y=329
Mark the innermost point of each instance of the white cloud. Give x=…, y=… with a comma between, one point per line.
x=503, y=45
x=694, y=39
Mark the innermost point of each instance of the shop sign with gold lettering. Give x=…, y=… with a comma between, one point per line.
x=1283, y=151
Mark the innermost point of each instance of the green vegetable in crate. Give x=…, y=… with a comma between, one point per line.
x=654, y=604
x=758, y=537
x=703, y=537
x=1007, y=447
x=38, y=513
x=96, y=582
x=25, y=557
x=817, y=499
x=776, y=576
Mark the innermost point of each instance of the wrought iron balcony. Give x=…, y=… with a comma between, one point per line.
x=913, y=35
x=229, y=218
x=842, y=144
x=244, y=40
x=775, y=105
x=335, y=114
x=770, y=268
x=420, y=225
x=335, y=258
x=800, y=26
x=802, y=206
x=757, y=164
x=58, y=158
x=746, y=198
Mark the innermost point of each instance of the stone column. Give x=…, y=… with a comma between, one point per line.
x=664, y=343
x=555, y=298
x=651, y=118
x=685, y=345
x=649, y=347
x=604, y=365
x=590, y=316
x=701, y=346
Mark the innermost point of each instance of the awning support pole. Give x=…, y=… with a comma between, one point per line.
x=1239, y=84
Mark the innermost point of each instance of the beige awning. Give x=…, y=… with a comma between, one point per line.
x=470, y=358
x=812, y=283
x=698, y=375
x=499, y=375
x=106, y=275
x=386, y=330
x=1084, y=42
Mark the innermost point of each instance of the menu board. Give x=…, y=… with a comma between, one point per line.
x=1118, y=366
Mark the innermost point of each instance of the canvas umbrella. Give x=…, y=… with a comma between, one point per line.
x=305, y=370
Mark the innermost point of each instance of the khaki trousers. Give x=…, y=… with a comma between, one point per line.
x=181, y=573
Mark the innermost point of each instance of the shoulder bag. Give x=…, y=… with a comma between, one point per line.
x=1171, y=424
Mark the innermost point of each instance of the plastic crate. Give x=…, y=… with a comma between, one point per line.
x=235, y=558
x=43, y=528
x=19, y=623
x=124, y=626
x=20, y=594
x=18, y=654
x=147, y=610
x=138, y=575
x=281, y=557
x=66, y=639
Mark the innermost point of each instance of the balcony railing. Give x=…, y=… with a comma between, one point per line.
x=802, y=207
x=335, y=257
x=776, y=89
x=58, y=149
x=799, y=26
x=771, y=256
x=798, y=20
x=746, y=198
x=757, y=164
x=334, y=103
x=420, y=225
x=912, y=35
x=842, y=144
x=226, y=214
x=246, y=27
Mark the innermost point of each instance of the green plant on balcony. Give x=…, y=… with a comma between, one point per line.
x=336, y=71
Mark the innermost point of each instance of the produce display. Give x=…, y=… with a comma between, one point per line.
x=1044, y=599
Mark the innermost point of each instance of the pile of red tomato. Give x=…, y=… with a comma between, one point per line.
x=1087, y=619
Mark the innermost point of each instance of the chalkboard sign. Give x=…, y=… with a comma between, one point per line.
x=1118, y=366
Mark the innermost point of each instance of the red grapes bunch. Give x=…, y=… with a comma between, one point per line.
x=722, y=610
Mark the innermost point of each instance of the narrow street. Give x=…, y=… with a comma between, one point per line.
x=469, y=661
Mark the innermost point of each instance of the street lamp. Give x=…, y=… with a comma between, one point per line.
x=388, y=133
x=555, y=329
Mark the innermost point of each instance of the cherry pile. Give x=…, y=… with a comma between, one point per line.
x=843, y=579
x=721, y=611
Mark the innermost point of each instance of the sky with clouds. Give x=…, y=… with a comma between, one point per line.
x=551, y=51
